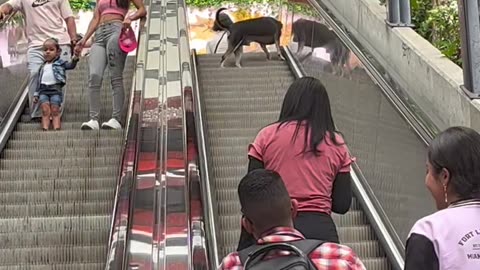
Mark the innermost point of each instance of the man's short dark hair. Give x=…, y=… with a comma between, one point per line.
x=264, y=199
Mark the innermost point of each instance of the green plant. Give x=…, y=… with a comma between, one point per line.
x=296, y=7
x=84, y=5
x=442, y=28
x=438, y=22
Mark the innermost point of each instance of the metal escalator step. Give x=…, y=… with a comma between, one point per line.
x=233, y=92
x=366, y=249
x=19, y=240
x=35, y=126
x=247, y=72
x=54, y=224
x=57, y=172
x=83, y=266
x=40, y=185
x=56, y=196
x=230, y=64
x=216, y=70
x=63, y=134
x=358, y=233
x=376, y=264
x=37, y=144
x=57, y=188
x=50, y=209
x=58, y=254
x=71, y=161
x=240, y=80
x=87, y=151
x=238, y=103
x=258, y=104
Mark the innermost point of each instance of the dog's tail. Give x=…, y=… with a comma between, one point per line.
x=218, y=21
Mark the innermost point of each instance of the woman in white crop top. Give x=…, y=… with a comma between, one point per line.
x=109, y=19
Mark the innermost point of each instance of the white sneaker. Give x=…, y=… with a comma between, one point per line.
x=90, y=125
x=111, y=124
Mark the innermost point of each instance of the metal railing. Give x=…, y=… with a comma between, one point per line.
x=470, y=36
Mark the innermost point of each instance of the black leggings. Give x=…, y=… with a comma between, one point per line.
x=312, y=225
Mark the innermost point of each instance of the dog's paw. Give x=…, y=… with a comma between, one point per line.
x=238, y=65
x=281, y=57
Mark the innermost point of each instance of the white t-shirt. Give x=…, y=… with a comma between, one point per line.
x=222, y=47
x=48, y=78
x=44, y=19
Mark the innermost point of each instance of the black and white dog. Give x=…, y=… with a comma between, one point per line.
x=265, y=31
x=317, y=35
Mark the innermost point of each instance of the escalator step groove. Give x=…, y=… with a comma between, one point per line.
x=237, y=104
x=57, y=187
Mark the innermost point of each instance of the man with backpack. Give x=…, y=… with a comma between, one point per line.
x=268, y=214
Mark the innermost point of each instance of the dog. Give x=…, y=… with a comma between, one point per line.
x=317, y=35
x=264, y=31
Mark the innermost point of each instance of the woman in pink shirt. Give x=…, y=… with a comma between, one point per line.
x=310, y=155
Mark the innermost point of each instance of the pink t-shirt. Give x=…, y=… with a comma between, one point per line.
x=44, y=19
x=309, y=178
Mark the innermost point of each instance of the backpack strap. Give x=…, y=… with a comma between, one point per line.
x=307, y=246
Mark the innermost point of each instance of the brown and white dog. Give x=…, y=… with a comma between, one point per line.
x=264, y=31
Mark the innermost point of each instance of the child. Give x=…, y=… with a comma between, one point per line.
x=51, y=79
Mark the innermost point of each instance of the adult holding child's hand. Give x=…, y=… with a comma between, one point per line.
x=110, y=18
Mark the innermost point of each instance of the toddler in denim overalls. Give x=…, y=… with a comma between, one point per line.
x=51, y=80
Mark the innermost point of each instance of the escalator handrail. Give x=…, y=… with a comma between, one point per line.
x=360, y=188
x=121, y=213
x=208, y=231
x=15, y=110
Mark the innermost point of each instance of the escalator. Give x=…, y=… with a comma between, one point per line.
x=58, y=187
x=237, y=103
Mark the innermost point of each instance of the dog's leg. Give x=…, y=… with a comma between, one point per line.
x=279, y=52
x=264, y=48
x=301, y=45
x=226, y=54
x=238, y=56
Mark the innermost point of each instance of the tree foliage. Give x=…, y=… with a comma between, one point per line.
x=438, y=22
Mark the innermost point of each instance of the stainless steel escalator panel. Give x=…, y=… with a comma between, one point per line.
x=236, y=108
x=57, y=188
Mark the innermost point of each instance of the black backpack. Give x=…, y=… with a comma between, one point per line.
x=253, y=258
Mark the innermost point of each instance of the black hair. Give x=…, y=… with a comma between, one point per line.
x=457, y=150
x=307, y=103
x=125, y=4
x=55, y=42
x=224, y=20
x=264, y=199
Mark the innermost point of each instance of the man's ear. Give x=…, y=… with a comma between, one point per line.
x=294, y=208
x=247, y=225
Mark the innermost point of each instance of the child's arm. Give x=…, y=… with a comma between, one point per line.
x=72, y=64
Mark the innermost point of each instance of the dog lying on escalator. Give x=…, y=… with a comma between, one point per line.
x=317, y=35
x=264, y=31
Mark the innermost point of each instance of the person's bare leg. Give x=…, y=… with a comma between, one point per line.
x=45, y=116
x=56, y=117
